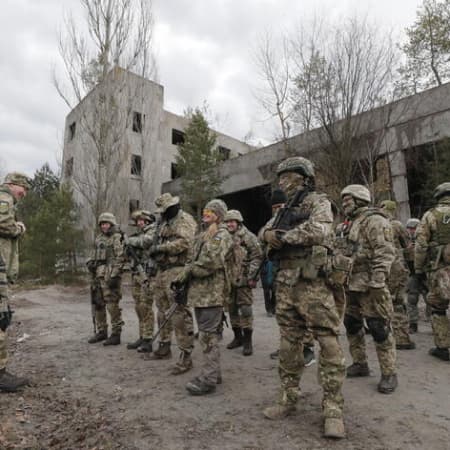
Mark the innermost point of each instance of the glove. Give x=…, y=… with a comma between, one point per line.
x=273, y=238
x=91, y=266
x=377, y=294
x=182, y=277
x=114, y=283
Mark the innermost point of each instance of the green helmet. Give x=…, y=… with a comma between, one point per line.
x=233, y=214
x=389, y=205
x=296, y=164
x=357, y=191
x=412, y=223
x=441, y=190
x=219, y=207
x=19, y=179
x=143, y=214
x=107, y=217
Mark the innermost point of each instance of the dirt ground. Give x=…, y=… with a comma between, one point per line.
x=92, y=397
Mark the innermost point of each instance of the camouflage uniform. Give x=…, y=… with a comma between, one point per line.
x=304, y=300
x=398, y=278
x=370, y=238
x=10, y=232
x=432, y=256
x=142, y=285
x=108, y=259
x=171, y=252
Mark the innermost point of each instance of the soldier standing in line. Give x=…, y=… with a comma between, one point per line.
x=208, y=275
x=106, y=265
x=13, y=189
x=248, y=255
x=398, y=277
x=171, y=250
x=304, y=300
x=141, y=281
x=370, y=237
x=432, y=259
x=415, y=288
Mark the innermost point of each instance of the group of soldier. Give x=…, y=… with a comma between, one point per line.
x=356, y=272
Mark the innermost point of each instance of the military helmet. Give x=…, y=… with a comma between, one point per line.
x=18, y=178
x=218, y=206
x=412, y=223
x=165, y=201
x=143, y=214
x=441, y=190
x=388, y=205
x=357, y=191
x=107, y=217
x=297, y=164
x=233, y=214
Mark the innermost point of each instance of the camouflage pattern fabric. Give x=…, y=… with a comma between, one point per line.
x=111, y=299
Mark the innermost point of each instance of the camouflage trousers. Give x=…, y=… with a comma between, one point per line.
x=438, y=298
x=142, y=292
x=3, y=349
x=182, y=322
x=4, y=296
x=364, y=305
x=209, y=322
x=240, y=307
x=302, y=306
x=111, y=300
x=400, y=321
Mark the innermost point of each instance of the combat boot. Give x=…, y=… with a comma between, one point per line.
x=199, y=387
x=99, y=336
x=114, y=339
x=388, y=384
x=406, y=346
x=11, y=383
x=134, y=345
x=146, y=346
x=183, y=365
x=358, y=370
x=248, y=347
x=441, y=353
x=163, y=351
x=413, y=328
x=237, y=341
x=278, y=412
x=334, y=428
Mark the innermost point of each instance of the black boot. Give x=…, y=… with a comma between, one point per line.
x=248, y=348
x=134, y=345
x=413, y=328
x=114, y=339
x=237, y=341
x=11, y=383
x=146, y=346
x=358, y=370
x=100, y=336
x=163, y=351
x=387, y=384
x=441, y=353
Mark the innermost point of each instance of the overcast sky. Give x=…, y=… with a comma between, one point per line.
x=204, y=52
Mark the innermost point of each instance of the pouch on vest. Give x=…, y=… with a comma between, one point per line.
x=341, y=267
x=317, y=261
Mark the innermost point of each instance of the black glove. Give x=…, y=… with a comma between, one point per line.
x=91, y=266
x=114, y=283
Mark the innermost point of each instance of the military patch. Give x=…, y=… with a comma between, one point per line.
x=4, y=207
x=388, y=234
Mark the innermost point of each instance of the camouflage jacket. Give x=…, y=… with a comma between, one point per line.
x=210, y=283
x=432, y=250
x=9, y=233
x=142, y=241
x=174, y=240
x=371, y=238
x=247, y=256
x=108, y=254
x=401, y=242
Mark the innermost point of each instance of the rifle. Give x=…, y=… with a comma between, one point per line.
x=131, y=253
x=152, y=266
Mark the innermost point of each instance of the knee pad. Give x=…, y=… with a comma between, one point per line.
x=378, y=328
x=246, y=311
x=352, y=325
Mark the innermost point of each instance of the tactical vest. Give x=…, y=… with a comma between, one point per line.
x=440, y=240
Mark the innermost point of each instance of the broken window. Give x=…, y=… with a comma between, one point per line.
x=224, y=153
x=72, y=128
x=69, y=167
x=177, y=137
x=137, y=122
x=136, y=165
x=133, y=206
x=174, y=172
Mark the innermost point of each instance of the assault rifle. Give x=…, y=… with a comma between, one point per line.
x=131, y=253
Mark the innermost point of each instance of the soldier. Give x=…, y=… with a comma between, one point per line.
x=398, y=278
x=370, y=237
x=171, y=250
x=432, y=259
x=142, y=289
x=415, y=287
x=304, y=301
x=248, y=258
x=13, y=189
x=106, y=265
x=209, y=289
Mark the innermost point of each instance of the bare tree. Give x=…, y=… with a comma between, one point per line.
x=99, y=64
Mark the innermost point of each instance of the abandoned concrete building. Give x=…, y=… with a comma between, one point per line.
x=146, y=137
x=408, y=130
